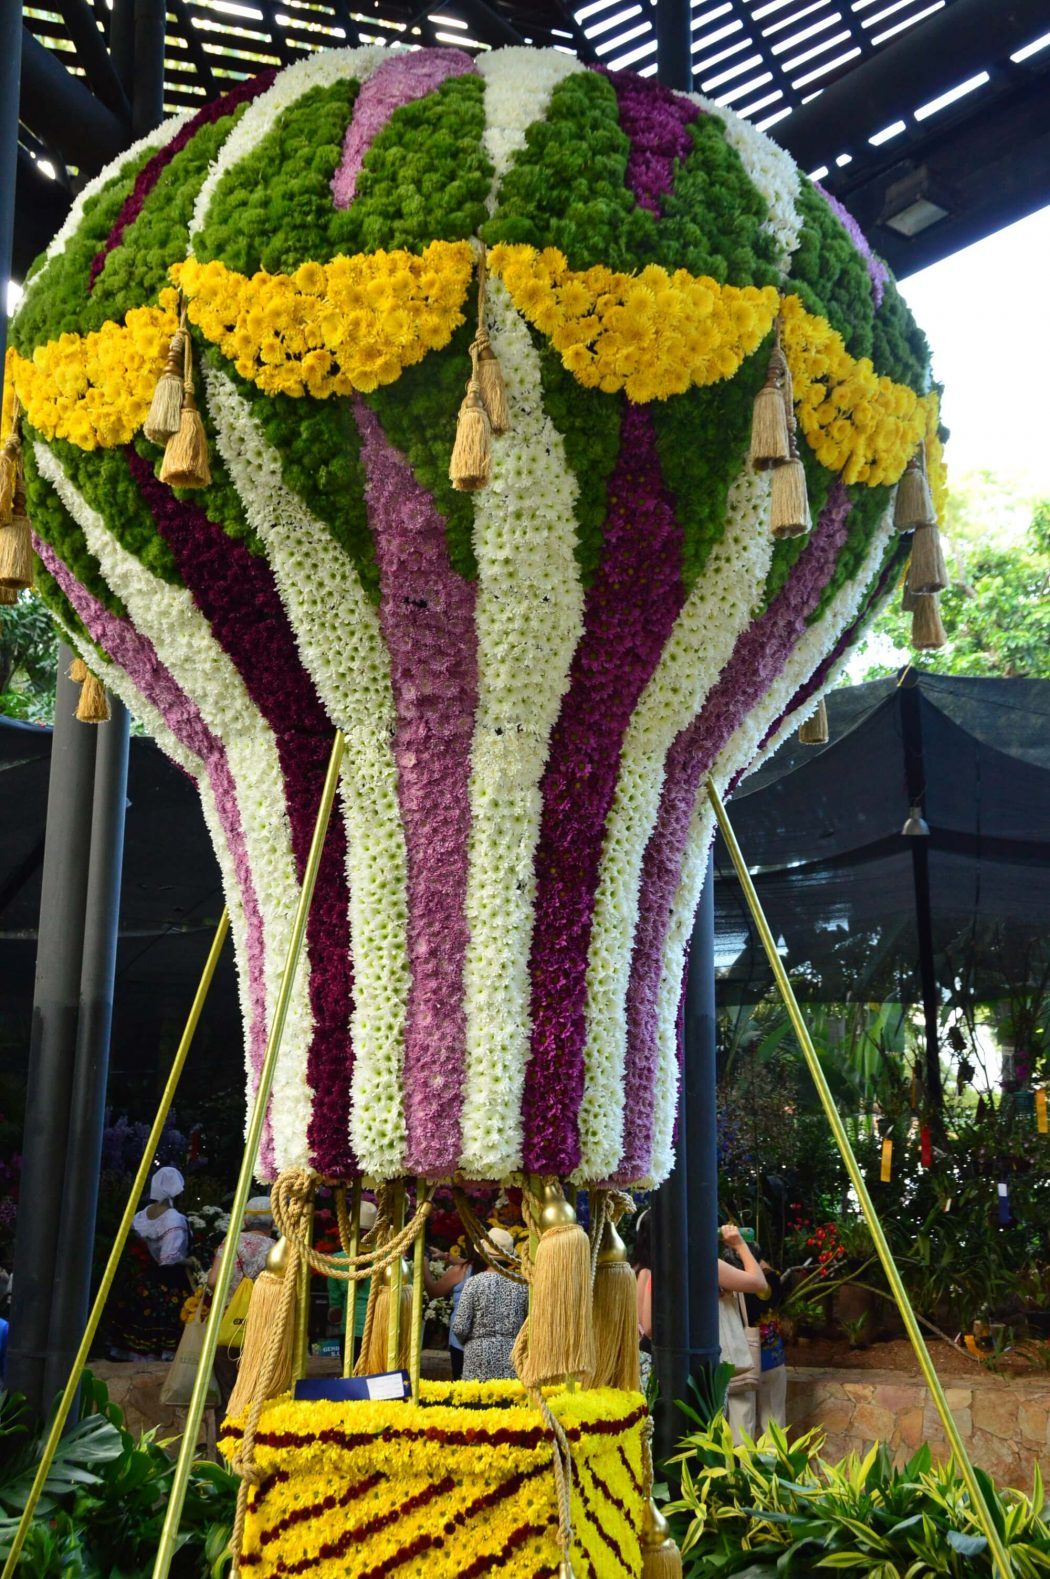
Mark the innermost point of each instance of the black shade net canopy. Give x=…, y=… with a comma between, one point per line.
x=171, y=901
x=821, y=830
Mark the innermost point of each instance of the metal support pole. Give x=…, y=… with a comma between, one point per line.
x=393, y=1341
x=122, y=42
x=350, y=1319
x=701, y=1133
x=1002, y=1562
x=670, y=1238
x=415, y=1353
x=120, y=1240
x=72, y=1285
x=915, y=776
x=147, y=96
x=52, y=1042
x=10, y=75
x=220, y=1294
x=674, y=41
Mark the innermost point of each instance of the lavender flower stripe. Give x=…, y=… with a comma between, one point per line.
x=397, y=81
x=426, y=612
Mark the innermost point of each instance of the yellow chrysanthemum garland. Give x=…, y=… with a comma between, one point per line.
x=356, y=323
x=94, y=389
x=857, y=422
x=331, y=328
x=652, y=334
x=468, y=1472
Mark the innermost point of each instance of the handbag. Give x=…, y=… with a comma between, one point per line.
x=182, y=1372
x=748, y=1381
x=235, y=1316
x=732, y=1336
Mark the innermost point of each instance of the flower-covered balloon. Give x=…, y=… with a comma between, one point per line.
x=535, y=680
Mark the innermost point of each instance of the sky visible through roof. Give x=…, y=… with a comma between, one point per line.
x=985, y=313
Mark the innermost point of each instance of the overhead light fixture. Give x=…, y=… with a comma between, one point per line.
x=914, y=203
x=916, y=826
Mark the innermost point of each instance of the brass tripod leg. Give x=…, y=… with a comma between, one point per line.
x=195, y=1412
x=882, y=1249
x=149, y=1153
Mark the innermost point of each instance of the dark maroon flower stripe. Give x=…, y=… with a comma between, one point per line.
x=758, y=658
x=534, y=1437
x=594, y=1523
x=313, y=1510
x=657, y=122
x=632, y=1476
x=330, y=1550
x=152, y=170
x=235, y=591
x=629, y=613
x=846, y=640
x=523, y=1533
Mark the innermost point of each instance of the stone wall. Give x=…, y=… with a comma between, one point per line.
x=1004, y=1423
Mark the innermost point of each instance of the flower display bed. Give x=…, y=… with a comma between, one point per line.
x=459, y=1485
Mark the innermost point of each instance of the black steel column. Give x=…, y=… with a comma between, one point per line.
x=671, y=1297
x=674, y=41
x=147, y=95
x=915, y=775
x=10, y=80
x=670, y=1209
x=52, y=1043
x=701, y=1133
x=73, y=1263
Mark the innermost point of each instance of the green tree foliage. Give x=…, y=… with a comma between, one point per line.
x=996, y=612
x=28, y=660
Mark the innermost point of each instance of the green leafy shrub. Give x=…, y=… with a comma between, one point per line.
x=102, y=1508
x=775, y=1509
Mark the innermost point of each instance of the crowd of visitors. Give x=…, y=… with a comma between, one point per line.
x=156, y=1294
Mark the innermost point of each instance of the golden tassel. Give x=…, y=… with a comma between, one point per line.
x=264, y=1312
x=814, y=732
x=927, y=632
x=471, y=465
x=8, y=595
x=78, y=671
x=560, y=1326
x=93, y=707
x=770, y=438
x=913, y=505
x=185, y=463
x=661, y=1558
x=615, y=1316
x=491, y=387
x=485, y=362
x=908, y=598
x=927, y=571
x=789, y=505
x=165, y=412
x=16, y=544
x=373, y=1361
x=10, y=457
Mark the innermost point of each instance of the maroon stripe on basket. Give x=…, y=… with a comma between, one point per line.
x=312, y=1510
x=467, y=1438
x=593, y=1522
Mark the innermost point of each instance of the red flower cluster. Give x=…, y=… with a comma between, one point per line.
x=825, y=1241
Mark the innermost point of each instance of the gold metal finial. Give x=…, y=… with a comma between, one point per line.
x=612, y=1248
x=554, y=1210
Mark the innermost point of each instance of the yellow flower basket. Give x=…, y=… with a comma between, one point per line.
x=457, y=1486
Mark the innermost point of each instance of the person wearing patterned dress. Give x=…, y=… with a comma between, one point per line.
x=488, y=1318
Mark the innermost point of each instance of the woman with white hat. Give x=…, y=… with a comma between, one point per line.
x=146, y=1315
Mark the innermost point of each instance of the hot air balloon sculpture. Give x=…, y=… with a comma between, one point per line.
x=539, y=429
